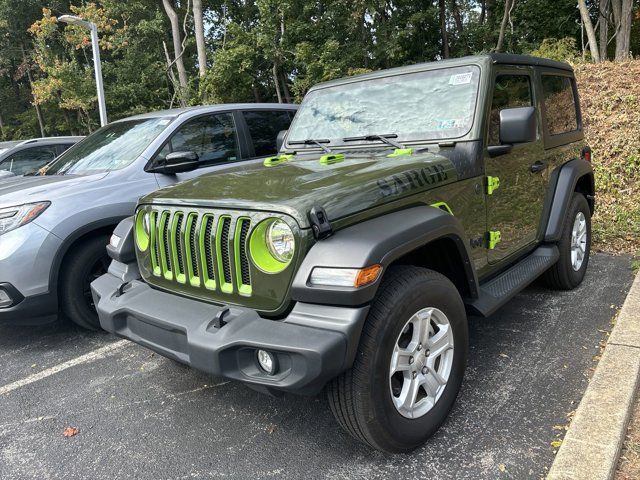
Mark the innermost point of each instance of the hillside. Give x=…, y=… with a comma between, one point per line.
x=610, y=100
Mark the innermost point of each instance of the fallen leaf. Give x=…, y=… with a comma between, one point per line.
x=502, y=467
x=70, y=432
x=556, y=443
x=504, y=355
x=271, y=428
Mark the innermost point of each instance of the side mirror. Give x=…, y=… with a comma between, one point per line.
x=280, y=139
x=177, y=162
x=518, y=125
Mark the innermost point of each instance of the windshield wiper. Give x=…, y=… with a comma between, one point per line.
x=312, y=141
x=383, y=138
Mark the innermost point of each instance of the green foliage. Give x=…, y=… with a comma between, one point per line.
x=563, y=49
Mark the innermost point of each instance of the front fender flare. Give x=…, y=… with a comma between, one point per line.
x=380, y=240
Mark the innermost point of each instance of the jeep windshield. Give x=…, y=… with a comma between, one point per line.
x=111, y=148
x=427, y=105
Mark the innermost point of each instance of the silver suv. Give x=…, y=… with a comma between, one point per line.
x=25, y=156
x=54, y=226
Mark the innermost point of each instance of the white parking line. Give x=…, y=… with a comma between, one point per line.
x=86, y=358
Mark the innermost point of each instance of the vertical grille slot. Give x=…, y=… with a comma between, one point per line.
x=165, y=249
x=223, y=253
x=177, y=247
x=243, y=275
x=207, y=256
x=154, y=249
x=191, y=249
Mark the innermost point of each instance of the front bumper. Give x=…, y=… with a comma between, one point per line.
x=313, y=344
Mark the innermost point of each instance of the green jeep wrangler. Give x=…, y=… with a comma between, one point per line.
x=401, y=201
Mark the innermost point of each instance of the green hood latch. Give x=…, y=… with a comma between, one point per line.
x=401, y=152
x=331, y=158
x=277, y=160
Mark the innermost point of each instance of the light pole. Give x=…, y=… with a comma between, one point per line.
x=75, y=20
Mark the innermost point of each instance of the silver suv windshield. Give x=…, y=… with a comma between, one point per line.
x=427, y=105
x=111, y=148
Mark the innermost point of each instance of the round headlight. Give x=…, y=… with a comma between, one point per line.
x=280, y=241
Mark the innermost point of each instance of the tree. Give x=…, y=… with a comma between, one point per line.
x=178, y=52
x=443, y=29
x=199, y=32
x=591, y=34
x=623, y=15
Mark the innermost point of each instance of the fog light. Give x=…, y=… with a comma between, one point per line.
x=267, y=361
x=5, y=299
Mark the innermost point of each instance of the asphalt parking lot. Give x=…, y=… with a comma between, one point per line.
x=142, y=416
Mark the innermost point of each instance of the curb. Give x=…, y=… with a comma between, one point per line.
x=592, y=445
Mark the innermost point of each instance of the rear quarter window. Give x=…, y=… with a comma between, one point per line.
x=559, y=104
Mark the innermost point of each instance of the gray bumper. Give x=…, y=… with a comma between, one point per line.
x=313, y=344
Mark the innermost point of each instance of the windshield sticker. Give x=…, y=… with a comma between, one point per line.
x=460, y=78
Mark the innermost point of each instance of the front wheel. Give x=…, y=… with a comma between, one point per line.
x=87, y=261
x=410, y=362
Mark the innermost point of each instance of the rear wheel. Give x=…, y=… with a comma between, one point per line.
x=83, y=265
x=574, y=247
x=410, y=362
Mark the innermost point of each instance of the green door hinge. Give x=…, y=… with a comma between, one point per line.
x=492, y=184
x=493, y=239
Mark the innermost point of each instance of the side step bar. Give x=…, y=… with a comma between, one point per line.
x=499, y=290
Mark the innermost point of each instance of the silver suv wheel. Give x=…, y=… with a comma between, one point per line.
x=578, y=241
x=421, y=362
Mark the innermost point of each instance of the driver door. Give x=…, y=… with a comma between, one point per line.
x=213, y=137
x=515, y=207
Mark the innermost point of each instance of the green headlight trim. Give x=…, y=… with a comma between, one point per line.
x=180, y=276
x=401, y=152
x=154, y=260
x=142, y=237
x=277, y=160
x=443, y=206
x=260, y=254
x=331, y=158
x=209, y=283
x=243, y=289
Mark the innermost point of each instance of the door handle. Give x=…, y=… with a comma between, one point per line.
x=538, y=167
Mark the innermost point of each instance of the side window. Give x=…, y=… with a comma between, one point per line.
x=559, y=104
x=212, y=137
x=264, y=126
x=28, y=160
x=511, y=91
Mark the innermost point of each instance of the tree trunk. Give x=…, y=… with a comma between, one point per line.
x=443, y=30
x=276, y=82
x=483, y=11
x=623, y=10
x=591, y=34
x=285, y=88
x=1, y=127
x=199, y=27
x=455, y=10
x=604, y=28
x=505, y=17
x=36, y=106
x=177, y=47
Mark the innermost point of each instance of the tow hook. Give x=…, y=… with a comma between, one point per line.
x=218, y=320
x=122, y=289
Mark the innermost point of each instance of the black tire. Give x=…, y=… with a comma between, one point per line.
x=361, y=398
x=562, y=276
x=86, y=262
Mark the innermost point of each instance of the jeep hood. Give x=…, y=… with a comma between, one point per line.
x=359, y=182
x=21, y=190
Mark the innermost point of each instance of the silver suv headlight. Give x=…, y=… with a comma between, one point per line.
x=14, y=217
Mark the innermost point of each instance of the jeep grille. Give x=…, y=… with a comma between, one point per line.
x=202, y=250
